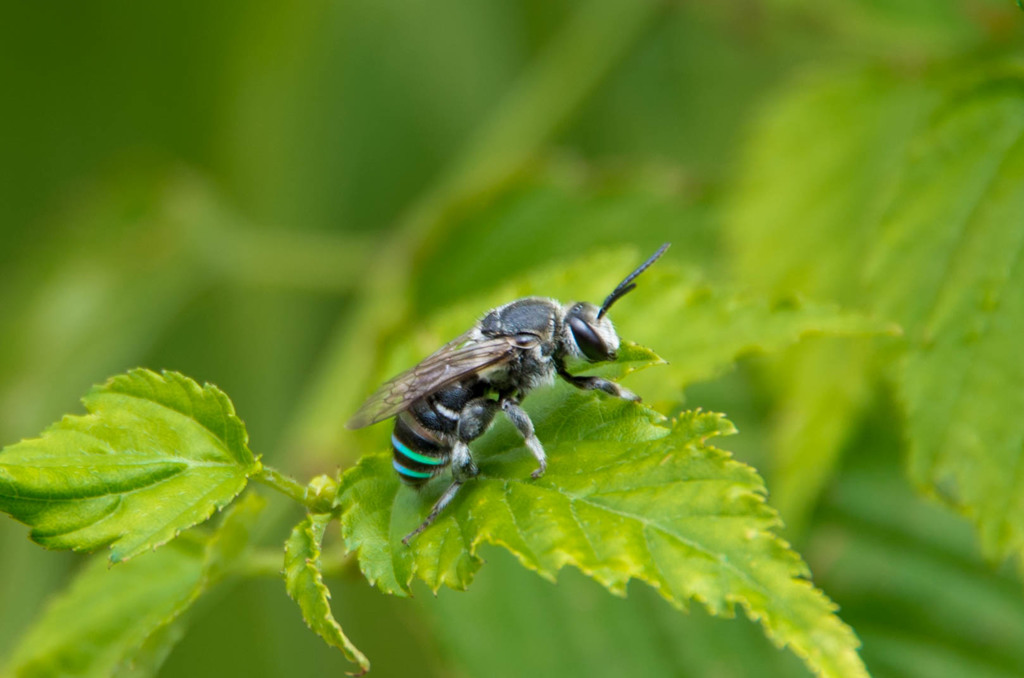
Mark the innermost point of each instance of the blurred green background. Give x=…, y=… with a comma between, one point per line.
x=250, y=192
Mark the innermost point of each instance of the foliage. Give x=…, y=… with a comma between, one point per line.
x=940, y=242
x=624, y=497
x=156, y=455
x=124, y=621
x=297, y=203
x=627, y=495
x=305, y=584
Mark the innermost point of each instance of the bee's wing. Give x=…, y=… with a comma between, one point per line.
x=448, y=364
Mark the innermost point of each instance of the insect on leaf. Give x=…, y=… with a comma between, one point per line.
x=626, y=496
x=700, y=330
x=156, y=454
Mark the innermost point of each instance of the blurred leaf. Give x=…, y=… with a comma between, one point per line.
x=824, y=200
x=802, y=220
x=624, y=497
x=909, y=30
x=106, y=615
x=947, y=264
x=929, y=173
x=150, y=656
x=817, y=175
x=234, y=537
x=155, y=455
x=907, y=573
x=305, y=585
x=701, y=330
x=820, y=388
x=124, y=621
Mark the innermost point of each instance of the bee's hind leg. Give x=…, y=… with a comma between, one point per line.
x=436, y=511
x=463, y=469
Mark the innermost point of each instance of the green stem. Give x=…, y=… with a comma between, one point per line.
x=286, y=485
x=265, y=563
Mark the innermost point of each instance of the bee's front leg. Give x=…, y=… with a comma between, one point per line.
x=599, y=384
x=521, y=420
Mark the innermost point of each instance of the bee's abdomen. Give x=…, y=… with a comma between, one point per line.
x=417, y=452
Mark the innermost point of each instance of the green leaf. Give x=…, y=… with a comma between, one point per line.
x=156, y=455
x=625, y=497
x=948, y=265
x=305, y=584
x=632, y=358
x=125, y=620
x=702, y=330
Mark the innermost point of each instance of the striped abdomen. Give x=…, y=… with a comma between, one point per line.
x=424, y=434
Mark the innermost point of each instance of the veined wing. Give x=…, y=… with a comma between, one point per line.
x=451, y=362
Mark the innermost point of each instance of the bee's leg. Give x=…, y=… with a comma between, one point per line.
x=474, y=419
x=521, y=421
x=439, y=505
x=463, y=467
x=592, y=383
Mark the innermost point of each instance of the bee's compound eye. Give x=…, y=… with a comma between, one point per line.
x=590, y=344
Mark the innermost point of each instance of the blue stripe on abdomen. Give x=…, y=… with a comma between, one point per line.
x=409, y=473
x=412, y=455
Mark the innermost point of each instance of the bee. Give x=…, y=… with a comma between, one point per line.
x=450, y=398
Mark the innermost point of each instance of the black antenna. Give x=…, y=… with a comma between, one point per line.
x=627, y=285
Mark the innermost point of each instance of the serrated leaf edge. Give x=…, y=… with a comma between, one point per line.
x=782, y=552
x=311, y=529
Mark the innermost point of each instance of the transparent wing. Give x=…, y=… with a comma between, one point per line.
x=448, y=364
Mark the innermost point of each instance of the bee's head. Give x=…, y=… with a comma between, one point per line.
x=593, y=336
